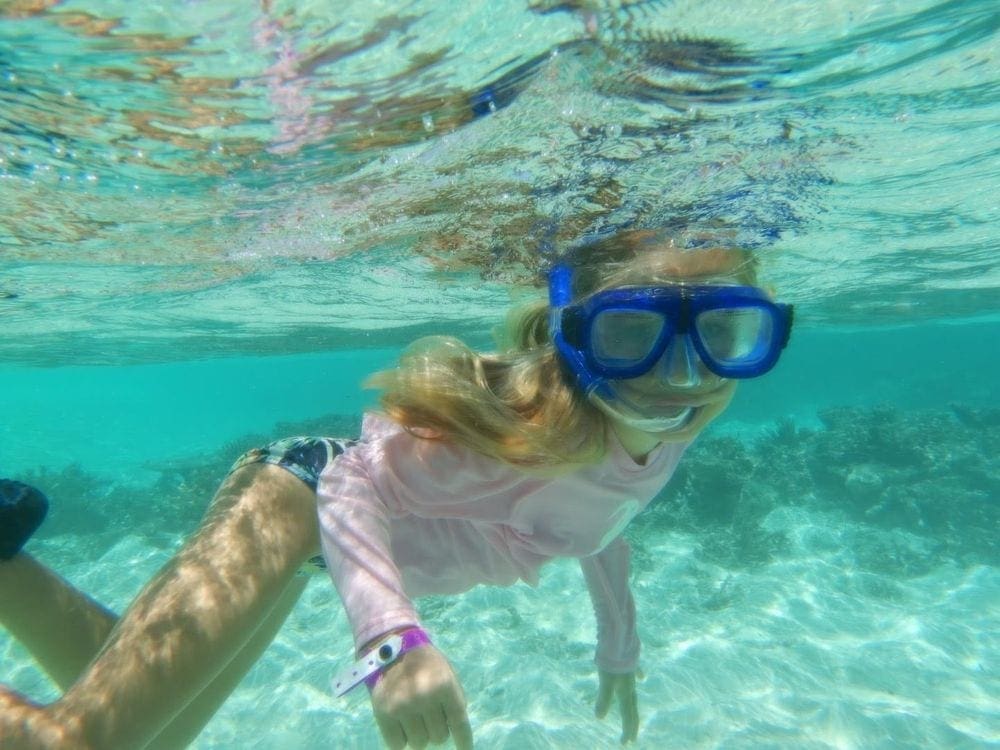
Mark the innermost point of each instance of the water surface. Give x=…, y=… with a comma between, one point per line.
x=219, y=217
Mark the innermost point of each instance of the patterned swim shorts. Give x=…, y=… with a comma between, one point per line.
x=305, y=457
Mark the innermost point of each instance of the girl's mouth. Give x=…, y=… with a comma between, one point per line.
x=678, y=420
x=665, y=422
x=662, y=402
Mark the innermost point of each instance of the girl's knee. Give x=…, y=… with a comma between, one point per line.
x=272, y=504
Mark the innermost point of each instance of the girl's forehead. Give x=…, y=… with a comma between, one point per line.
x=670, y=264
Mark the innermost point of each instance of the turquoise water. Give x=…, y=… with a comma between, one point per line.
x=216, y=222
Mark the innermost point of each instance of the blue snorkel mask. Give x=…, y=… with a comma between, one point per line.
x=617, y=335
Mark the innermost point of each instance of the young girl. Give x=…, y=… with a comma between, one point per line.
x=479, y=470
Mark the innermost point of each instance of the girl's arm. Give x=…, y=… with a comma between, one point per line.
x=606, y=574
x=354, y=531
x=419, y=698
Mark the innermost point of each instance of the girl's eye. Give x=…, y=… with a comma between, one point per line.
x=621, y=336
x=731, y=334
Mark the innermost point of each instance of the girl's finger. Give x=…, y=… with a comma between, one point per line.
x=392, y=733
x=458, y=723
x=437, y=724
x=605, y=691
x=628, y=704
x=416, y=731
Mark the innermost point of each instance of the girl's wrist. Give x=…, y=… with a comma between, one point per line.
x=374, y=642
x=375, y=660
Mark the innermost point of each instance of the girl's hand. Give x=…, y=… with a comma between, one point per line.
x=419, y=700
x=622, y=686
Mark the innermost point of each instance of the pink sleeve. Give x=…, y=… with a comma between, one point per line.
x=354, y=531
x=606, y=574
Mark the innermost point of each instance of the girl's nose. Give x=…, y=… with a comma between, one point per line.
x=679, y=365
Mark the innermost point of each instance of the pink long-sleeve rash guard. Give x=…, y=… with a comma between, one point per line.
x=401, y=517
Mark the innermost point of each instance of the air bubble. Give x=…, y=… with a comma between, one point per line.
x=428, y=123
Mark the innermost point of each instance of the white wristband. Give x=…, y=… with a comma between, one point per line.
x=349, y=678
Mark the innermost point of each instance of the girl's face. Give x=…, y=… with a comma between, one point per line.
x=679, y=396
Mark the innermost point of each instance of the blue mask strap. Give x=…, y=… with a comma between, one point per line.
x=561, y=295
x=560, y=286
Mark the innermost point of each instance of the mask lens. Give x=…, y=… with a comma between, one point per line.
x=736, y=336
x=624, y=338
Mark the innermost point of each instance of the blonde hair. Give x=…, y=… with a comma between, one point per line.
x=519, y=405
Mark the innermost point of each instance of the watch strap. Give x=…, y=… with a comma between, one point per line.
x=368, y=668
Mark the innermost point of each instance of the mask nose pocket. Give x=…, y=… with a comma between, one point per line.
x=680, y=363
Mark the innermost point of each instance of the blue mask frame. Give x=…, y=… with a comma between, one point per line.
x=570, y=326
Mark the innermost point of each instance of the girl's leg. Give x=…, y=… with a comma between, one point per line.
x=188, y=624
x=62, y=627
x=187, y=725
